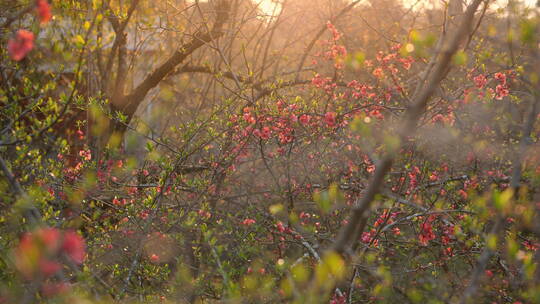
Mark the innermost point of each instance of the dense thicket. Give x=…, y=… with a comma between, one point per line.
x=274, y=152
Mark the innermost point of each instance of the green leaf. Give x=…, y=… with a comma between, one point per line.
x=79, y=41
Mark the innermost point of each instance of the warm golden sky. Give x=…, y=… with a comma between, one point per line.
x=268, y=5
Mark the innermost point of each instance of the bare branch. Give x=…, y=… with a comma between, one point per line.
x=128, y=104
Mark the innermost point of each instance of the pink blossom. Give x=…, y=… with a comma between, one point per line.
x=480, y=81
x=501, y=91
x=501, y=77
x=378, y=72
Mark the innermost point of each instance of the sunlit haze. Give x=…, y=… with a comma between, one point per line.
x=259, y=151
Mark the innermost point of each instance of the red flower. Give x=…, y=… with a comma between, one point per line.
x=330, y=118
x=118, y=202
x=463, y=194
x=335, y=33
x=530, y=245
x=248, y=222
x=502, y=91
x=43, y=9
x=426, y=232
x=21, y=45
x=337, y=299
x=304, y=215
x=280, y=227
x=501, y=77
x=74, y=246
x=85, y=154
x=304, y=119
x=264, y=133
x=480, y=81
x=378, y=72
x=366, y=237
x=154, y=258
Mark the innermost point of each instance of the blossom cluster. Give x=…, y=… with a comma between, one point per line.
x=23, y=42
x=43, y=253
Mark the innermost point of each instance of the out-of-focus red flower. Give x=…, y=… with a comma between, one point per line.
x=50, y=238
x=43, y=9
x=38, y=254
x=27, y=255
x=48, y=267
x=26, y=243
x=52, y=289
x=21, y=45
x=74, y=246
